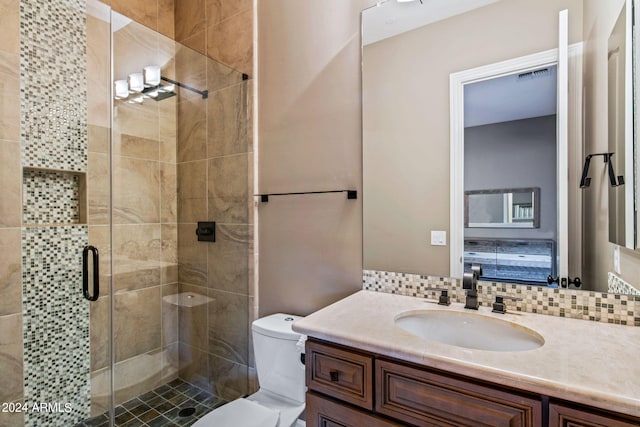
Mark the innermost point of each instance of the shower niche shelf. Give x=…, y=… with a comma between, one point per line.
x=53, y=197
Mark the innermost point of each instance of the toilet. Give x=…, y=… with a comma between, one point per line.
x=281, y=376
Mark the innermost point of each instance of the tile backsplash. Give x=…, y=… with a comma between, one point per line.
x=586, y=305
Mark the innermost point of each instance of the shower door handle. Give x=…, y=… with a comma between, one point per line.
x=85, y=273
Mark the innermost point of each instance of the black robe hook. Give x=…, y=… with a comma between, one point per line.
x=585, y=181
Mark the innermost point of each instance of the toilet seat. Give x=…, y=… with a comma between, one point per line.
x=288, y=409
x=261, y=409
x=240, y=413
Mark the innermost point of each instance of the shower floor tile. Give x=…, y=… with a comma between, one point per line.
x=160, y=407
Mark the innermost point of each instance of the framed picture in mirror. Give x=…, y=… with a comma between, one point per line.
x=502, y=208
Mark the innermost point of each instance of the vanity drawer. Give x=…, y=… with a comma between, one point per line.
x=325, y=412
x=343, y=374
x=423, y=397
x=561, y=415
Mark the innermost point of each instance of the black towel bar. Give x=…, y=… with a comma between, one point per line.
x=351, y=194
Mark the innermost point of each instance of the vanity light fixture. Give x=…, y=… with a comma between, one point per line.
x=149, y=84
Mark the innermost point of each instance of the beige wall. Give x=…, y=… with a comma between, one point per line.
x=600, y=18
x=309, y=137
x=403, y=71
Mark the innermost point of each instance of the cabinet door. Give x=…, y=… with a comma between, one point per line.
x=566, y=416
x=343, y=374
x=324, y=412
x=427, y=398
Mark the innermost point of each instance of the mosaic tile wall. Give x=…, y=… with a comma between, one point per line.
x=56, y=324
x=53, y=84
x=594, y=306
x=50, y=197
x=53, y=135
x=616, y=285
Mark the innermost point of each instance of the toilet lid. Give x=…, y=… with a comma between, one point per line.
x=240, y=413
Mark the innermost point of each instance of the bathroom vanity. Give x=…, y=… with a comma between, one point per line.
x=362, y=369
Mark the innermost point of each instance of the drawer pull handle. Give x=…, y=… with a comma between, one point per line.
x=334, y=375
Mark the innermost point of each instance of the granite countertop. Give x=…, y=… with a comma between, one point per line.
x=592, y=363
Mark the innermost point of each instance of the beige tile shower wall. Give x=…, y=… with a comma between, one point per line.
x=220, y=29
x=155, y=14
x=214, y=156
x=309, y=135
x=11, y=357
x=600, y=18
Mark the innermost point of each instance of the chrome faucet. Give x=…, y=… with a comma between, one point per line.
x=470, y=283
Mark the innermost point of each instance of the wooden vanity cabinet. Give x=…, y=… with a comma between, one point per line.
x=351, y=388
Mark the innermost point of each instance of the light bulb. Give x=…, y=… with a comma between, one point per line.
x=121, y=89
x=151, y=75
x=136, y=82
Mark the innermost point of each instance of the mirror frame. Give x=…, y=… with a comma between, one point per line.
x=535, y=191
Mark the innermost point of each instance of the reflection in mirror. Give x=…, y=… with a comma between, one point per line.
x=621, y=214
x=407, y=78
x=510, y=208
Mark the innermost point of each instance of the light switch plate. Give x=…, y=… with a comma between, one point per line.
x=438, y=238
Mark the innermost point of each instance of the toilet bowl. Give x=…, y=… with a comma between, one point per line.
x=280, y=399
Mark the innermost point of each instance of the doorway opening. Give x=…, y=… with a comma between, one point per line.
x=510, y=185
x=520, y=230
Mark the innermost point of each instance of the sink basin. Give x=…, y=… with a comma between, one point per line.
x=469, y=330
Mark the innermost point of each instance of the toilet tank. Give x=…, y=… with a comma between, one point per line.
x=280, y=370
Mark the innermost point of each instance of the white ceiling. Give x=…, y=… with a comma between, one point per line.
x=510, y=98
x=389, y=18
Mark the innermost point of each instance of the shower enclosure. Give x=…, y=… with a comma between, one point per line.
x=114, y=311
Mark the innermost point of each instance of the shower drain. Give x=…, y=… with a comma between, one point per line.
x=186, y=412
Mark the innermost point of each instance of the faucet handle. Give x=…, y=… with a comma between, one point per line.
x=444, y=298
x=499, y=306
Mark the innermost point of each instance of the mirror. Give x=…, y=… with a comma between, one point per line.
x=419, y=58
x=509, y=208
x=620, y=129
